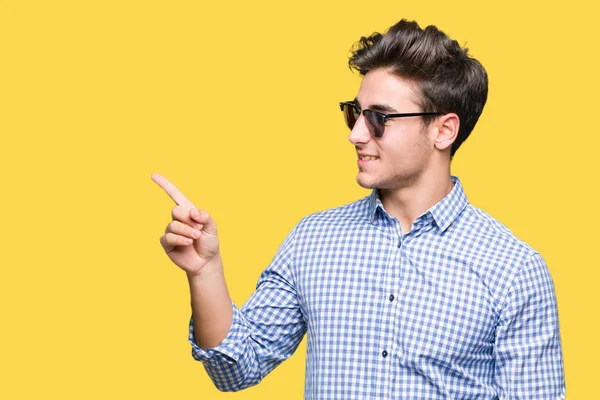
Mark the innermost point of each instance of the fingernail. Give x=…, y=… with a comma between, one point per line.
x=195, y=214
x=196, y=234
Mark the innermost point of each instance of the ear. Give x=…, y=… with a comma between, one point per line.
x=446, y=130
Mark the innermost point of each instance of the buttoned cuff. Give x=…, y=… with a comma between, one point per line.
x=231, y=348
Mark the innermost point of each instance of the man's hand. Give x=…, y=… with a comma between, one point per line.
x=190, y=239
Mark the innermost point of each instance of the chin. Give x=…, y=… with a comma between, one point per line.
x=366, y=183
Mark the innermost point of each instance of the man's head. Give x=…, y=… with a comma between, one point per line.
x=410, y=69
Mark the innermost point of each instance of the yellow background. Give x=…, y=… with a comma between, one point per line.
x=237, y=104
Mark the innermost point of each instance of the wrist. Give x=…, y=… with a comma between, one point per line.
x=210, y=270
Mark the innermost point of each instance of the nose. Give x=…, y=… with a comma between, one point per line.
x=360, y=132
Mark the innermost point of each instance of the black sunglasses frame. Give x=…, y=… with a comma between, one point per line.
x=377, y=123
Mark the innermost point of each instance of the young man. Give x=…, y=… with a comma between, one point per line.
x=408, y=293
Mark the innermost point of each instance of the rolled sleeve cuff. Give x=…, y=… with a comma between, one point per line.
x=231, y=348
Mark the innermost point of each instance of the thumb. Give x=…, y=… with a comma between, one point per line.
x=204, y=218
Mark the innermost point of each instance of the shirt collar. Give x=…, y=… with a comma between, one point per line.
x=443, y=212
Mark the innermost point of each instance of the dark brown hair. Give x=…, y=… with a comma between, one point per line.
x=448, y=78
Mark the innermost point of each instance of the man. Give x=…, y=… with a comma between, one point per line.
x=408, y=293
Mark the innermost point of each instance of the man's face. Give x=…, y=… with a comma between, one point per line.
x=406, y=148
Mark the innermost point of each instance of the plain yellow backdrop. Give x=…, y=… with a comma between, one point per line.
x=237, y=104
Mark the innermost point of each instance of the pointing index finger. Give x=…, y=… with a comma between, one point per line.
x=172, y=191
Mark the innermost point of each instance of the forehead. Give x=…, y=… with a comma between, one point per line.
x=382, y=87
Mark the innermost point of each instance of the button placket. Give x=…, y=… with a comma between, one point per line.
x=387, y=341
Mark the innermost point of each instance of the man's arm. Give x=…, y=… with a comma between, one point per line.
x=211, y=304
x=265, y=332
x=191, y=242
x=237, y=348
x=529, y=361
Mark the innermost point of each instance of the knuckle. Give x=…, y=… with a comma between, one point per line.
x=176, y=212
x=171, y=238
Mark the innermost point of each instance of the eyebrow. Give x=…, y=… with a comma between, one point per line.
x=378, y=107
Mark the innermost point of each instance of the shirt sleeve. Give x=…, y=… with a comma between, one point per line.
x=264, y=332
x=529, y=361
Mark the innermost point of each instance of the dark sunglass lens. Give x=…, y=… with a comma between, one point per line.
x=355, y=112
x=375, y=123
x=349, y=115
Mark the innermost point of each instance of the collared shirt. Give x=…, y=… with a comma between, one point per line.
x=456, y=308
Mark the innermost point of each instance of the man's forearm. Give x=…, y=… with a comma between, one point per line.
x=211, y=305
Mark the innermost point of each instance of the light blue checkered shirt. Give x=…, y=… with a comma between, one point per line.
x=457, y=308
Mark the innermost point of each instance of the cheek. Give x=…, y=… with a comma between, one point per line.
x=404, y=147
x=421, y=147
x=397, y=160
x=407, y=155
x=401, y=149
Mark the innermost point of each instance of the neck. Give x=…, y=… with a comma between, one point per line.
x=410, y=201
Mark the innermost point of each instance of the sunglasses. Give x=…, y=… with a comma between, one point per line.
x=375, y=119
